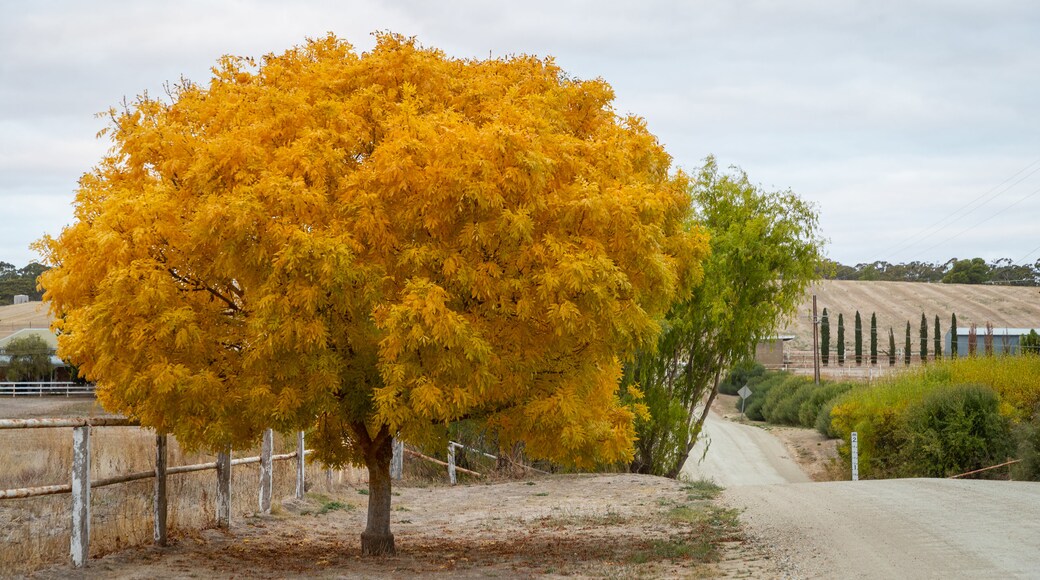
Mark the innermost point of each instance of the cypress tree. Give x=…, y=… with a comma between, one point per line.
x=859, y=339
x=873, y=338
x=906, y=353
x=953, y=336
x=924, y=338
x=937, y=341
x=891, y=347
x=825, y=339
x=841, y=340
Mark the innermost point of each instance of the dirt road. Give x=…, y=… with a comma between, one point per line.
x=910, y=528
x=740, y=454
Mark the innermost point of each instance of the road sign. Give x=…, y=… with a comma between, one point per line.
x=744, y=393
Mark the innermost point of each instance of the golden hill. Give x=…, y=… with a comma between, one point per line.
x=898, y=302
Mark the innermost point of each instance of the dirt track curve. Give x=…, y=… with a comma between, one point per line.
x=907, y=528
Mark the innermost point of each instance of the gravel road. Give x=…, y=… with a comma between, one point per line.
x=904, y=528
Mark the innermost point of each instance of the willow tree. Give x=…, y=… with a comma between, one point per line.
x=375, y=245
x=765, y=250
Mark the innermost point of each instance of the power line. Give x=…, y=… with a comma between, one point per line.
x=977, y=224
x=965, y=210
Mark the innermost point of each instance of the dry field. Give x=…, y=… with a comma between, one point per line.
x=898, y=302
x=34, y=532
x=15, y=317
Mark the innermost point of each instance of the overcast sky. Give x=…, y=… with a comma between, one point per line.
x=911, y=125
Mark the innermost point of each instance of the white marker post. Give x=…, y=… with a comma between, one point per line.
x=854, y=439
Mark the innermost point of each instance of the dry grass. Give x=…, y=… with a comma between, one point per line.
x=34, y=532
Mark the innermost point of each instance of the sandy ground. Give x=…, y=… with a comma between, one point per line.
x=920, y=528
x=577, y=526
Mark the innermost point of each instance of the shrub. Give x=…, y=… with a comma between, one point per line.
x=743, y=373
x=810, y=408
x=783, y=402
x=759, y=394
x=1027, y=442
x=954, y=430
x=823, y=421
x=774, y=407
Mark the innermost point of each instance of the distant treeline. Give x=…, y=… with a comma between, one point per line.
x=974, y=271
x=14, y=281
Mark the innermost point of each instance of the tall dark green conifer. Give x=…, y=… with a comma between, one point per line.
x=953, y=336
x=924, y=338
x=825, y=339
x=937, y=341
x=841, y=340
x=906, y=352
x=859, y=339
x=891, y=347
x=873, y=338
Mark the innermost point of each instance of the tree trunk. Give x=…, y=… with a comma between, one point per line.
x=377, y=540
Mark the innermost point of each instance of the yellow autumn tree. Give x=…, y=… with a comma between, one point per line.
x=374, y=245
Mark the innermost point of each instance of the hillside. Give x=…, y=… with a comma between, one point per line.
x=15, y=317
x=897, y=302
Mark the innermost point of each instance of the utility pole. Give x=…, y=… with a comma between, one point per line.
x=815, y=342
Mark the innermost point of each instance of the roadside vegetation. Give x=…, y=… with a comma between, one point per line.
x=944, y=419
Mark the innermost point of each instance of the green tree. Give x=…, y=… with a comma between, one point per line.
x=953, y=335
x=891, y=347
x=858, y=339
x=373, y=245
x=841, y=340
x=906, y=352
x=15, y=281
x=974, y=271
x=765, y=250
x=825, y=339
x=924, y=338
x=1029, y=343
x=30, y=359
x=937, y=340
x=873, y=338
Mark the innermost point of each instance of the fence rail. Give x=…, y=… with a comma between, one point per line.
x=81, y=483
x=42, y=389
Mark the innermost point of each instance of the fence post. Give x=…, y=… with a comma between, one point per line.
x=300, y=457
x=397, y=460
x=159, y=505
x=224, y=488
x=266, y=471
x=80, y=543
x=451, y=463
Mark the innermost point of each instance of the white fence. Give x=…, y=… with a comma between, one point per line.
x=41, y=389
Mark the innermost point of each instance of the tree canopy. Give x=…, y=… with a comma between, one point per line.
x=28, y=359
x=374, y=245
x=15, y=281
x=765, y=251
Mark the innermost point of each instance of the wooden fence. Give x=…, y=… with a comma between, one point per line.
x=81, y=485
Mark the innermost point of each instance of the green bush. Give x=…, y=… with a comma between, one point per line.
x=782, y=404
x=809, y=411
x=955, y=430
x=759, y=393
x=1027, y=441
x=823, y=421
x=743, y=373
